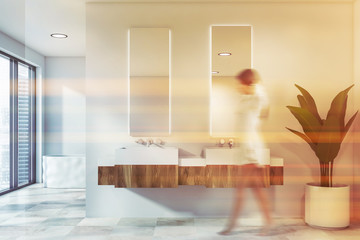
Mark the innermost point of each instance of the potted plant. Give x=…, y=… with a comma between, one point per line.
x=327, y=205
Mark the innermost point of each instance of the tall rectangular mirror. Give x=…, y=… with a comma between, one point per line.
x=231, y=53
x=149, y=82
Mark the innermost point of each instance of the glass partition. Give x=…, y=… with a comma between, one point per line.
x=17, y=123
x=4, y=123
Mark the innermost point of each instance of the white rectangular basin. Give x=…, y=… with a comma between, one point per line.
x=143, y=155
x=229, y=156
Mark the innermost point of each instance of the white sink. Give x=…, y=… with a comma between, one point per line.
x=229, y=156
x=142, y=155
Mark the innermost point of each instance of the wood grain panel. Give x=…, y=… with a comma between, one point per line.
x=170, y=176
x=146, y=176
x=106, y=175
x=192, y=175
x=219, y=176
x=230, y=176
x=276, y=175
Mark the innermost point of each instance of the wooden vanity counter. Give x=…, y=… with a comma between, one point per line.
x=171, y=176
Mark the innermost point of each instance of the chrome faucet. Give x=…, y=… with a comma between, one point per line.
x=158, y=142
x=140, y=141
x=231, y=142
x=149, y=142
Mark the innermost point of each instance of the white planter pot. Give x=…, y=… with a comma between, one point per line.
x=327, y=207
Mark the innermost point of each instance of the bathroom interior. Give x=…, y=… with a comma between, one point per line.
x=130, y=112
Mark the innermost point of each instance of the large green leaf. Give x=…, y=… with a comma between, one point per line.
x=329, y=141
x=338, y=106
x=302, y=101
x=309, y=123
x=348, y=125
x=303, y=136
x=343, y=113
x=310, y=103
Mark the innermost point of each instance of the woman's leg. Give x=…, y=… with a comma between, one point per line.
x=264, y=203
x=237, y=204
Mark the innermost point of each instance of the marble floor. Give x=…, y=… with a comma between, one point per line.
x=39, y=213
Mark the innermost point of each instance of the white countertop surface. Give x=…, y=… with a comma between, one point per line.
x=153, y=155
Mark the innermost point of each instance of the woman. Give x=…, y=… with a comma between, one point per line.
x=250, y=107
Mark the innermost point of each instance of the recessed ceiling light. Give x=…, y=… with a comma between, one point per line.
x=224, y=54
x=214, y=72
x=59, y=35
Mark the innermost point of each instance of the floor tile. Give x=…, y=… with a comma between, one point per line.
x=52, y=232
x=175, y=222
x=99, y=222
x=61, y=221
x=51, y=214
x=72, y=237
x=132, y=231
x=42, y=206
x=210, y=221
x=23, y=221
x=39, y=213
x=174, y=231
x=14, y=231
x=116, y=237
x=71, y=214
x=87, y=231
x=138, y=222
x=310, y=234
x=4, y=216
x=14, y=207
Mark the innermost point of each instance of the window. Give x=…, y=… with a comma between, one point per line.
x=17, y=123
x=4, y=123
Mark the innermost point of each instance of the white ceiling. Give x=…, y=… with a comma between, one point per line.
x=32, y=21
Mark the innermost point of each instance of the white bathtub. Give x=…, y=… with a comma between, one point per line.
x=64, y=171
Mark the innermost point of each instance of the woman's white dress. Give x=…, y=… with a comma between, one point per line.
x=247, y=120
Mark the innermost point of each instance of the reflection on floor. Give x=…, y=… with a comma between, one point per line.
x=38, y=213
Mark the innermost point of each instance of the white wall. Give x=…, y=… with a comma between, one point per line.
x=21, y=51
x=65, y=105
x=306, y=43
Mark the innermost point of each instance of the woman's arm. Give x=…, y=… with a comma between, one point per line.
x=265, y=106
x=265, y=112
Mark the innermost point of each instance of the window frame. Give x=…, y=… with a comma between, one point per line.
x=14, y=171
